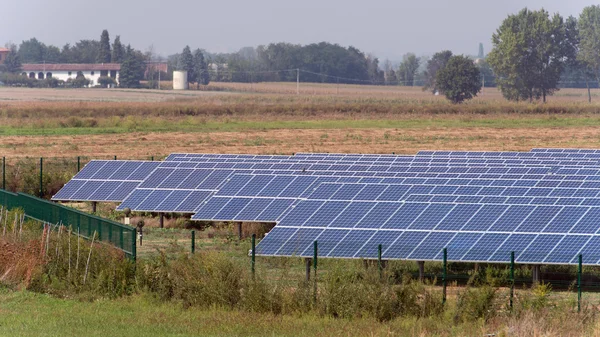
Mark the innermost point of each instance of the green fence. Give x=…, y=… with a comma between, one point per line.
x=121, y=236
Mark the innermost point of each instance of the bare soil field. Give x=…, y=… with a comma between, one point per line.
x=286, y=141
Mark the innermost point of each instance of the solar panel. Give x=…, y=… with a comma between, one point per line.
x=105, y=180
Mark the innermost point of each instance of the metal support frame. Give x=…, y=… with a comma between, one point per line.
x=161, y=220
x=579, y=271
x=307, y=265
x=253, y=261
x=94, y=206
x=512, y=278
x=41, y=177
x=193, y=241
x=78, y=164
x=444, y=270
x=421, y=265
x=240, y=230
x=379, y=263
x=315, y=253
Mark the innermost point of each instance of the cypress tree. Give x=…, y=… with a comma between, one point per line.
x=117, y=50
x=186, y=63
x=104, y=51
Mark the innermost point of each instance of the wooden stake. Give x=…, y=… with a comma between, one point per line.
x=87, y=265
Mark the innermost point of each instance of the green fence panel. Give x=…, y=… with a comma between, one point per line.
x=119, y=235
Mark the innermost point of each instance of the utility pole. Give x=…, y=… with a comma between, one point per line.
x=298, y=81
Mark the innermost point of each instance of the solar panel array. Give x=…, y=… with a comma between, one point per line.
x=479, y=205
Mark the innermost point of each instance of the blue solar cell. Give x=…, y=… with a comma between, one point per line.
x=352, y=243
x=297, y=187
x=253, y=209
x=512, y=218
x=156, y=178
x=276, y=186
x=68, y=190
x=153, y=200
x=326, y=214
x=327, y=241
x=324, y=191
x=125, y=170
x=90, y=169
x=215, y=180
x=567, y=249
x=404, y=245
x=378, y=215
x=459, y=245
x=275, y=210
x=515, y=243
x=143, y=171
x=431, y=246
x=515, y=192
x=383, y=238
x=85, y=191
x=352, y=214
x=370, y=192
x=394, y=193
x=590, y=253
x=301, y=212
x=193, y=201
x=274, y=240
x=121, y=192
x=171, y=202
x=347, y=192
x=588, y=224
x=255, y=185
x=300, y=241
x=544, y=201
x=538, y=219
x=406, y=214
x=107, y=170
x=194, y=179
x=134, y=199
x=483, y=249
x=487, y=215
x=229, y=211
x=458, y=217
x=469, y=199
x=539, y=248
x=104, y=191
x=175, y=178
x=209, y=210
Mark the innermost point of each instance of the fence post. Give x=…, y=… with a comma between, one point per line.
x=193, y=241
x=4, y=173
x=253, y=253
x=444, y=270
x=315, y=249
x=512, y=278
x=41, y=174
x=579, y=283
x=152, y=158
x=78, y=164
x=379, y=262
x=115, y=157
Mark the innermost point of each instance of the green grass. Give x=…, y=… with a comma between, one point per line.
x=199, y=125
x=30, y=314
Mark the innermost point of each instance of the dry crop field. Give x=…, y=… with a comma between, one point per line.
x=271, y=119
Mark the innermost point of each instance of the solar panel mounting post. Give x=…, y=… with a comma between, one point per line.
x=94, y=206
x=421, y=265
x=308, y=265
x=240, y=230
x=161, y=220
x=512, y=278
x=315, y=252
x=78, y=164
x=379, y=263
x=41, y=175
x=193, y=242
x=579, y=270
x=4, y=173
x=253, y=261
x=444, y=270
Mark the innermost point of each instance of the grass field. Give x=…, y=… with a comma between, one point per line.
x=268, y=118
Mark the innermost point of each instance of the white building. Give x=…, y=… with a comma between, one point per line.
x=66, y=71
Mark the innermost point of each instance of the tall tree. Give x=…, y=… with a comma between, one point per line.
x=589, y=43
x=186, y=63
x=481, y=54
x=407, y=70
x=132, y=68
x=529, y=54
x=201, y=68
x=459, y=80
x=436, y=63
x=32, y=51
x=104, y=55
x=117, y=50
x=12, y=63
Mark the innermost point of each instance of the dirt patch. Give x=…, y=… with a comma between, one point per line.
x=286, y=141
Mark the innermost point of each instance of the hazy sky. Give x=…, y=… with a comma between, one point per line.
x=386, y=28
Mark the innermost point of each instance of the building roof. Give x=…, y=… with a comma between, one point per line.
x=71, y=67
x=4, y=50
